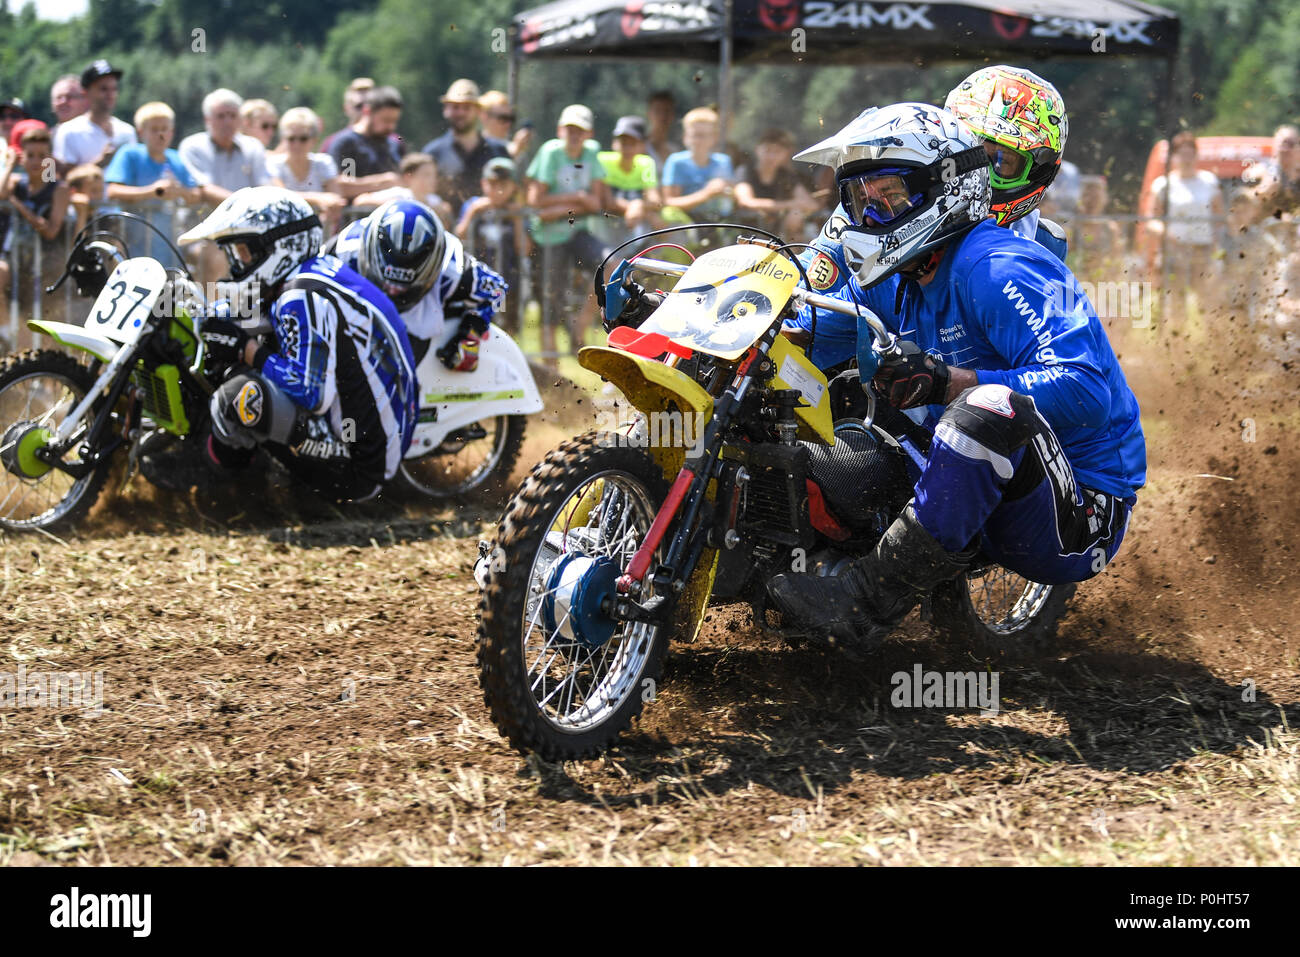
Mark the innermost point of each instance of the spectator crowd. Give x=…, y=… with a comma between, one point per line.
x=547, y=208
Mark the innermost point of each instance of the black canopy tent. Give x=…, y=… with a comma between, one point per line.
x=824, y=32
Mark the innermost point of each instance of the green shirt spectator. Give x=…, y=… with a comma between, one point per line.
x=565, y=166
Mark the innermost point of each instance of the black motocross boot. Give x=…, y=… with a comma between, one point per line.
x=860, y=607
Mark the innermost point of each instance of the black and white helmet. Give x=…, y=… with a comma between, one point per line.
x=265, y=231
x=911, y=178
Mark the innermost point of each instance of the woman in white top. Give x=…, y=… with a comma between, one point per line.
x=1195, y=204
x=299, y=169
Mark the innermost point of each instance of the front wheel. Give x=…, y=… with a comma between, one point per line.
x=38, y=390
x=476, y=458
x=560, y=677
x=994, y=611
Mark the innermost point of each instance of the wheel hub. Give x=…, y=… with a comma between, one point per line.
x=578, y=589
x=19, y=446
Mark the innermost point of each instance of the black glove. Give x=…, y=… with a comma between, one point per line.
x=912, y=378
x=225, y=341
x=637, y=309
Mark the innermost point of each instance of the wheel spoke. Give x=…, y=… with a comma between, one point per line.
x=574, y=685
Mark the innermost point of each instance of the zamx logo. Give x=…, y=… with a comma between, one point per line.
x=1009, y=26
x=778, y=15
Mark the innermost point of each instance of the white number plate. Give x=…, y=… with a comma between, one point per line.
x=123, y=306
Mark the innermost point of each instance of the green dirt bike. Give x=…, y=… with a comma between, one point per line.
x=734, y=472
x=62, y=420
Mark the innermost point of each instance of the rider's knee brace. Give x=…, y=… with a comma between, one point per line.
x=249, y=409
x=992, y=423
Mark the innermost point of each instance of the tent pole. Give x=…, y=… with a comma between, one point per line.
x=725, y=105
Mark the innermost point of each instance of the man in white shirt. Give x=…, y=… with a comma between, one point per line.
x=223, y=160
x=94, y=136
x=220, y=156
x=1193, y=200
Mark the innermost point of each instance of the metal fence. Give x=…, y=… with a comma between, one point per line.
x=1106, y=246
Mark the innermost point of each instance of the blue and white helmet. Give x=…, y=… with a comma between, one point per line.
x=402, y=250
x=911, y=177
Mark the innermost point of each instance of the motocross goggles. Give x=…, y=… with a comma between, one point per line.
x=246, y=251
x=878, y=197
x=1009, y=168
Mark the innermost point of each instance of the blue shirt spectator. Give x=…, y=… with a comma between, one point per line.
x=680, y=170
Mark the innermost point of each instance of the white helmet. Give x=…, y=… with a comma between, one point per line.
x=277, y=229
x=911, y=177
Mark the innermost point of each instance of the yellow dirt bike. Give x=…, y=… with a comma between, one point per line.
x=733, y=472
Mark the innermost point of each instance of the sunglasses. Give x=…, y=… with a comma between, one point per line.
x=504, y=117
x=10, y=116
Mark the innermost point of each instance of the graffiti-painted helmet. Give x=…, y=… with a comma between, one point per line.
x=1021, y=118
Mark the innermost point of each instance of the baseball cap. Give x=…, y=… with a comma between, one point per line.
x=21, y=128
x=577, y=115
x=13, y=103
x=99, y=68
x=462, y=91
x=630, y=126
x=499, y=167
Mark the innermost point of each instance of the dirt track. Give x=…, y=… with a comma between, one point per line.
x=304, y=691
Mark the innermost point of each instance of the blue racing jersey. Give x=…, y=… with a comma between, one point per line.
x=343, y=353
x=1007, y=308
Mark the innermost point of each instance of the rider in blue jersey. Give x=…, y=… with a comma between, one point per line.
x=447, y=298
x=1033, y=449
x=1021, y=120
x=332, y=394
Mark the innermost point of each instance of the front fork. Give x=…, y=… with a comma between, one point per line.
x=688, y=492
x=117, y=376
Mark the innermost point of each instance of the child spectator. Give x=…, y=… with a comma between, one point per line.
x=770, y=193
x=630, y=176
x=257, y=118
x=493, y=228
x=419, y=181
x=304, y=171
x=151, y=172
x=87, y=184
x=42, y=208
x=566, y=186
x=698, y=179
x=34, y=191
